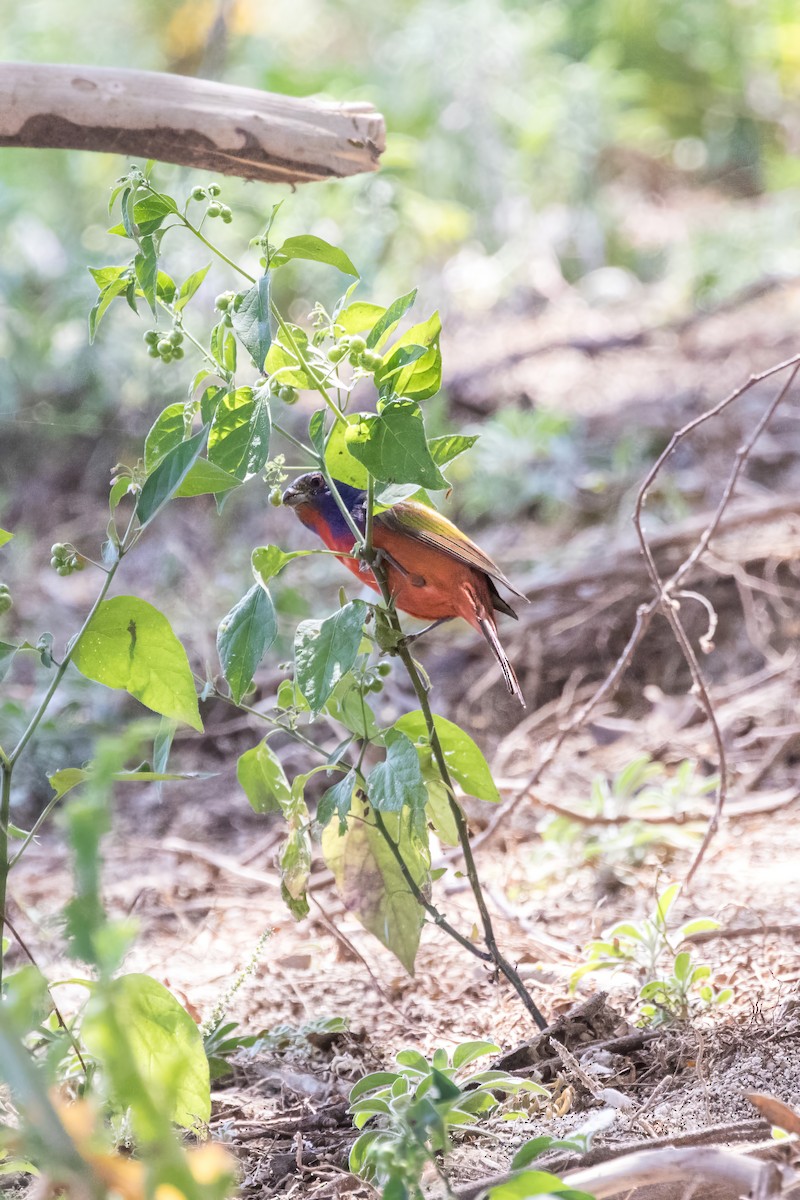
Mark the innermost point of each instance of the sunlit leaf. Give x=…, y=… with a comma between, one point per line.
x=314, y=249
x=464, y=759
x=392, y=446
x=239, y=438
x=163, y=1041
x=129, y=644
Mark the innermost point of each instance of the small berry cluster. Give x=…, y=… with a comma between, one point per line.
x=215, y=209
x=372, y=680
x=166, y=346
x=64, y=558
x=5, y=598
x=355, y=350
x=228, y=303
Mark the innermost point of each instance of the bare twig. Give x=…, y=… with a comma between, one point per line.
x=665, y=590
x=664, y=600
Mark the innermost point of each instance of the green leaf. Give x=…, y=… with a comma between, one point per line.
x=165, y=287
x=282, y=365
x=67, y=778
x=445, y=449
x=314, y=249
x=168, y=476
x=397, y=783
x=359, y=317
x=166, y=432
x=163, y=1041
x=393, y=448
x=190, y=286
x=5, y=536
x=316, y=430
x=337, y=799
x=205, y=478
x=295, y=865
x=7, y=652
x=464, y=759
x=393, y=314
x=269, y=561
x=243, y=638
x=263, y=779
x=698, y=925
x=421, y=377
x=371, y=883
x=468, y=1052
x=534, y=1183
x=666, y=901
x=239, y=437
x=339, y=460
x=129, y=644
x=324, y=651
x=146, y=267
x=110, y=292
x=251, y=321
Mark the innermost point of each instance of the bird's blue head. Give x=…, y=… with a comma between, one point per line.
x=314, y=504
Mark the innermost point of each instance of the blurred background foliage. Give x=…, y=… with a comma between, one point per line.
x=520, y=135
x=629, y=155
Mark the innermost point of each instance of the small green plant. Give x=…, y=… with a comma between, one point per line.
x=416, y=1108
x=673, y=986
x=614, y=825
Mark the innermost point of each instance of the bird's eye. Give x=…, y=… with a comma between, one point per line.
x=316, y=481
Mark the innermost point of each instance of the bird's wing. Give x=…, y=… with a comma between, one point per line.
x=429, y=526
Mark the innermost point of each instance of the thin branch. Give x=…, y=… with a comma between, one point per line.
x=646, y=612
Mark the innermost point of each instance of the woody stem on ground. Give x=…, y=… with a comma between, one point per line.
x=372, y=556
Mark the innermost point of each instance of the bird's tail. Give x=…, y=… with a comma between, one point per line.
x=489, y=631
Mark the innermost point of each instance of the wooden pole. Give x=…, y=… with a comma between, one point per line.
x=194, y=122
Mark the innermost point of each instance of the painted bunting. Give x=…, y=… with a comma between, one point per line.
x=433, y=570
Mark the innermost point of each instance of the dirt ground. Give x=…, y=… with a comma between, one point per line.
x=197, y=868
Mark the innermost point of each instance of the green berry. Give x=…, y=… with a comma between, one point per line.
x=226, y=213
x=57, y=548
x=336, y=354
x=198, y=193
x=164, y=346
x=153, y=352
x=287, y=394
x=222, y=301
x=371, y=361
x=214, y=189
x=384, y=669
x=376, y=686
x=176, y=337
x=5, y=598
x=151, y=337
x=357, y=345
x=213, y=209
x=275, y=497
x=64, y=569
x=178, y=352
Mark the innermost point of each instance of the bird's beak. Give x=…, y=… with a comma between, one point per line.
x=294, y=495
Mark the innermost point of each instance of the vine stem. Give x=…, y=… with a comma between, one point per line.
x=8, y=761
x=372, y=557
